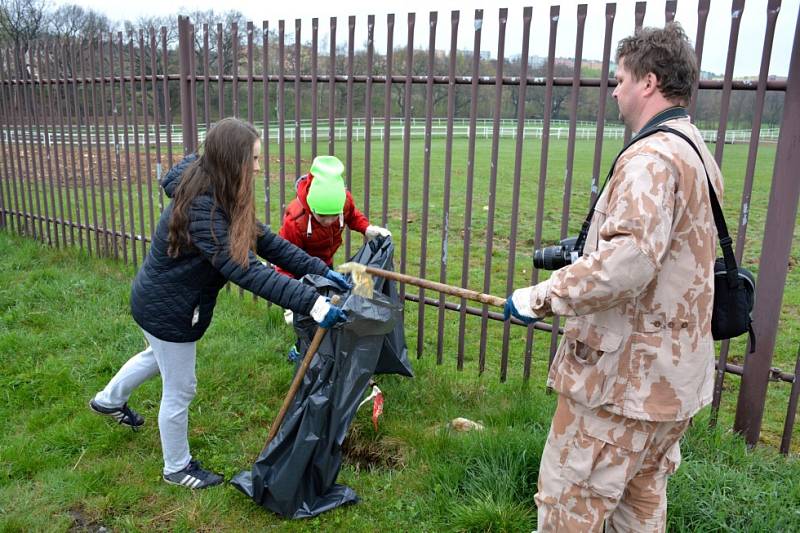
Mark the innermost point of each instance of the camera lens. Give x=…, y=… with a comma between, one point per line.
x=549, y=258
x=538, y=261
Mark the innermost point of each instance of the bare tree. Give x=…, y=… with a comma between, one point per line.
x=21, y=21
x=210, y=17
x=73, y=21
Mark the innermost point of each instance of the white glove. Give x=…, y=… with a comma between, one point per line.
x=377, y=231
x=320, y=309
x=522, y=301
x=326, y=314
x=288, y=316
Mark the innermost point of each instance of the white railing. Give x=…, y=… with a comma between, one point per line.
x=533, y=129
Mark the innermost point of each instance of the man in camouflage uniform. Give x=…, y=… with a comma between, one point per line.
x=637, y=358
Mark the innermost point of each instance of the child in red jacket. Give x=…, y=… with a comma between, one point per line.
x=315, y=219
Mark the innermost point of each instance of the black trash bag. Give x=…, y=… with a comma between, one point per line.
x=394, y=356
x=295, y=475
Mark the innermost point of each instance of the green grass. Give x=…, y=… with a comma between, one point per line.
x=65, y=329
x=481, y=274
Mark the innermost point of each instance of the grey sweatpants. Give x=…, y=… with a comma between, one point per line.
x=176, y=363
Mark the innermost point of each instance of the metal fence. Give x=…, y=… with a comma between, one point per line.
x=88, y=127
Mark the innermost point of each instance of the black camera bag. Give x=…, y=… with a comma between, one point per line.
x=732, y=304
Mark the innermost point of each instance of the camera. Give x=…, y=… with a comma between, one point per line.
x=554, y=257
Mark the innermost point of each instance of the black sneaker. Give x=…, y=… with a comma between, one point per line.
x=123, y=415
x=194, y=477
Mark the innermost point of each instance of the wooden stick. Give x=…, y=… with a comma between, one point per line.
x=298, y=377
x=439, y=287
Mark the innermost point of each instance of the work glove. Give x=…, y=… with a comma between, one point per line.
x=518, y=305
x=339, y=279
x=377, y=231
x=288, y=316
x=326, y=314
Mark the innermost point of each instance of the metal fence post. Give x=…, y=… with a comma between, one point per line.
x=185, y=50
x=774, y=258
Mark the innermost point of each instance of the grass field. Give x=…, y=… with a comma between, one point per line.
x=65, y=328
x=488, y=272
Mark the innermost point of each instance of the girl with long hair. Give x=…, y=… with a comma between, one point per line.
x=207, y=236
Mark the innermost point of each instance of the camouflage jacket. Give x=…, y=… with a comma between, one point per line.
x=639, y=301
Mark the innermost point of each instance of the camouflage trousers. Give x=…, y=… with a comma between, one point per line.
x=600, y=467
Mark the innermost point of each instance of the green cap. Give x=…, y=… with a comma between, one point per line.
x=326, y=194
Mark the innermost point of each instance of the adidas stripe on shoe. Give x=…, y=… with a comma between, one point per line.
x=123, y=415
x=193, y=477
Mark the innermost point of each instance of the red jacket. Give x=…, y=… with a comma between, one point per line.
x=302, y=229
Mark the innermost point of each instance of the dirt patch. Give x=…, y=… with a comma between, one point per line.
x=68, y=171
x=81, y=521
x=364, y=452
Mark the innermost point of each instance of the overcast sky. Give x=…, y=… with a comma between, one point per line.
x=748, y=56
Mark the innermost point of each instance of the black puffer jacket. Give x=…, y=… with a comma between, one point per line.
x=173, y=299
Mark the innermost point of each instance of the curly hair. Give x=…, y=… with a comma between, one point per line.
x=667, y=53
x=226, y=168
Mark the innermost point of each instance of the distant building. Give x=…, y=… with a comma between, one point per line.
x=537, y=61
x=485, y=54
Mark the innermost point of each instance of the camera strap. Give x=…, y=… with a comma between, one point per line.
x=652, y=126
x=725, y=240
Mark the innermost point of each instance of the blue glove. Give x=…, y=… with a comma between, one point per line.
x=510, y=310
x=339, y=279
x=333, y=317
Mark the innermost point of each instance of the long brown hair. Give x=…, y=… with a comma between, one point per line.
x=225, y=170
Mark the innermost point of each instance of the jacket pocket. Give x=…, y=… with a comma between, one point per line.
x=603, y=456
x=671, y=459
x=588, y=341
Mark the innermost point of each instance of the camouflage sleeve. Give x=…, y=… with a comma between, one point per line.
x=632, y=239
